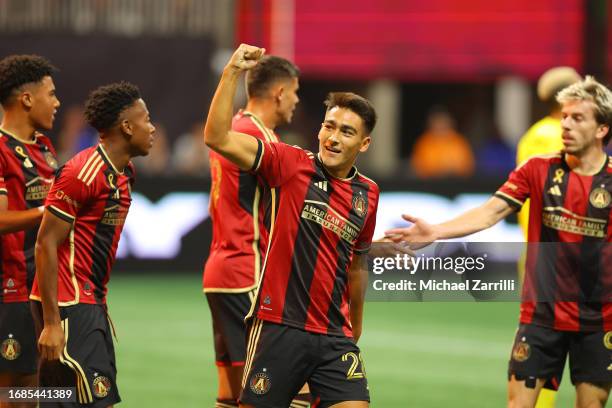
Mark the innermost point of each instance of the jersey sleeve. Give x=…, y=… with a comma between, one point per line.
x=277, y=163
x=516, y=189
x=364, y=240
x=68, y=194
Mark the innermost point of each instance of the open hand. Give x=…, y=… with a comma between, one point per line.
x=419, y=234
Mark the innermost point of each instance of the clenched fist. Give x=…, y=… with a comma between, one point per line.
x=245, y=57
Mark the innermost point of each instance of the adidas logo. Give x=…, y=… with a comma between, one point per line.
x=322, y=185
x=555, y=190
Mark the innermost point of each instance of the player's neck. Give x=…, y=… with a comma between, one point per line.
x=18, y=126
x=589, y=162
x=263, y=111
x=116, y=153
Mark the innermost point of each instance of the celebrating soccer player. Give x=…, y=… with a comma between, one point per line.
x=27, y=165
x=566, y=306
x=239, y=207
x=307, y=313
x=75, y=250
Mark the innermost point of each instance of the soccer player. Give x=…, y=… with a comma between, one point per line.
x=76, y=245
x=542, y=138
x=240, y=232
x=27, y=165
x=307, y=314
x=566, y=306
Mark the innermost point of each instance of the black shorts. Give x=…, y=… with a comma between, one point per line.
x=88, y=361
x=18, y=350
x=540, y=352
x=282, y=358
x=228, y=311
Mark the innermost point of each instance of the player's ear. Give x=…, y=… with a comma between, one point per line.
x=26, y=99
x=126, y=127
x=365, y=143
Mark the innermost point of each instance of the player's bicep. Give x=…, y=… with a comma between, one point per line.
x=497, y=209
x=241, y=149
x=53, y=229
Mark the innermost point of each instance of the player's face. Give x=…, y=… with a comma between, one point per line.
x=42, y=103
x=287, y=100
x=142, y=130
x=341, y=138
x=580, y=128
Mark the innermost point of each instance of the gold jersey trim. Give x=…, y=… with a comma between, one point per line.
x=254, y=334
x=509, y=197
x=85, y=395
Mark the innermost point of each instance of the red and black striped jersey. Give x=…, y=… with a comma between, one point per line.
x=568, y=277
x=94, y=197
x=238, y=204
x=26, y=172
x=321, y=222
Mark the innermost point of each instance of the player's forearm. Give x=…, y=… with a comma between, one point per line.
x=474, y=220
x=12, y=221
x=46, y=272
x=358, y=280
x=219, y=121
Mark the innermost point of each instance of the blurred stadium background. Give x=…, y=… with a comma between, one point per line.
x=469, y=66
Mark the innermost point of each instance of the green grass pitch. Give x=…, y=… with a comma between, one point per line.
x=424, y=355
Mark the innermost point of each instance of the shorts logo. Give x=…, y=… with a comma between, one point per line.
x=10, y=348
x=600, y=198
x=521, y=351
x=607, y=340
x=260, y=383
x=101, y=386
x=359, y=205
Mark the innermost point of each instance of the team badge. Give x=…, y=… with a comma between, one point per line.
x=521, y=351
x=607, y=340
x=600, y=198
x=101, y=386
x=359, y=205
x=10, y=348
x=10, y=283
x=51, y=161
x=260, y=383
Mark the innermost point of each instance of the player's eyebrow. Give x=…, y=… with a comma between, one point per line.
x=348, y=129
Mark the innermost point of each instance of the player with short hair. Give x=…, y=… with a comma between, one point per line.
x=307, y=314
x=76, y=246
x=239, y=208
x=27, y=165
x=566, y=308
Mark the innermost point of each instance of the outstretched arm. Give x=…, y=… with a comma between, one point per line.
x=239, y=148
x=53, y=231
x=471, y=221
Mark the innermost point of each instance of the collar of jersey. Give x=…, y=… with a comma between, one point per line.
x=603, y=167
x=352, y=173
x=20, y=139
x=107, y=159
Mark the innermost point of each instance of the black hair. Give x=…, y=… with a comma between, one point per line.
x=106, y=103
x=267, y=72
x=358, y=104
x=18, y=70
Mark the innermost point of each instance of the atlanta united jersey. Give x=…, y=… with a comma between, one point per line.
x=568, y=268
x=26, y=173
x=321, y=222
x=94, y=197
x=238, y=204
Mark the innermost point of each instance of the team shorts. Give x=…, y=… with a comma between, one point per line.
x=280, y=359
x=540, y=352
x=228, y=311
x=88, y=360
x=18, y=350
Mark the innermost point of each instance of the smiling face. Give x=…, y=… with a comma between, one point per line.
x=42, y=103
x=341, y=138
x=580, y=128
x=136, y=122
